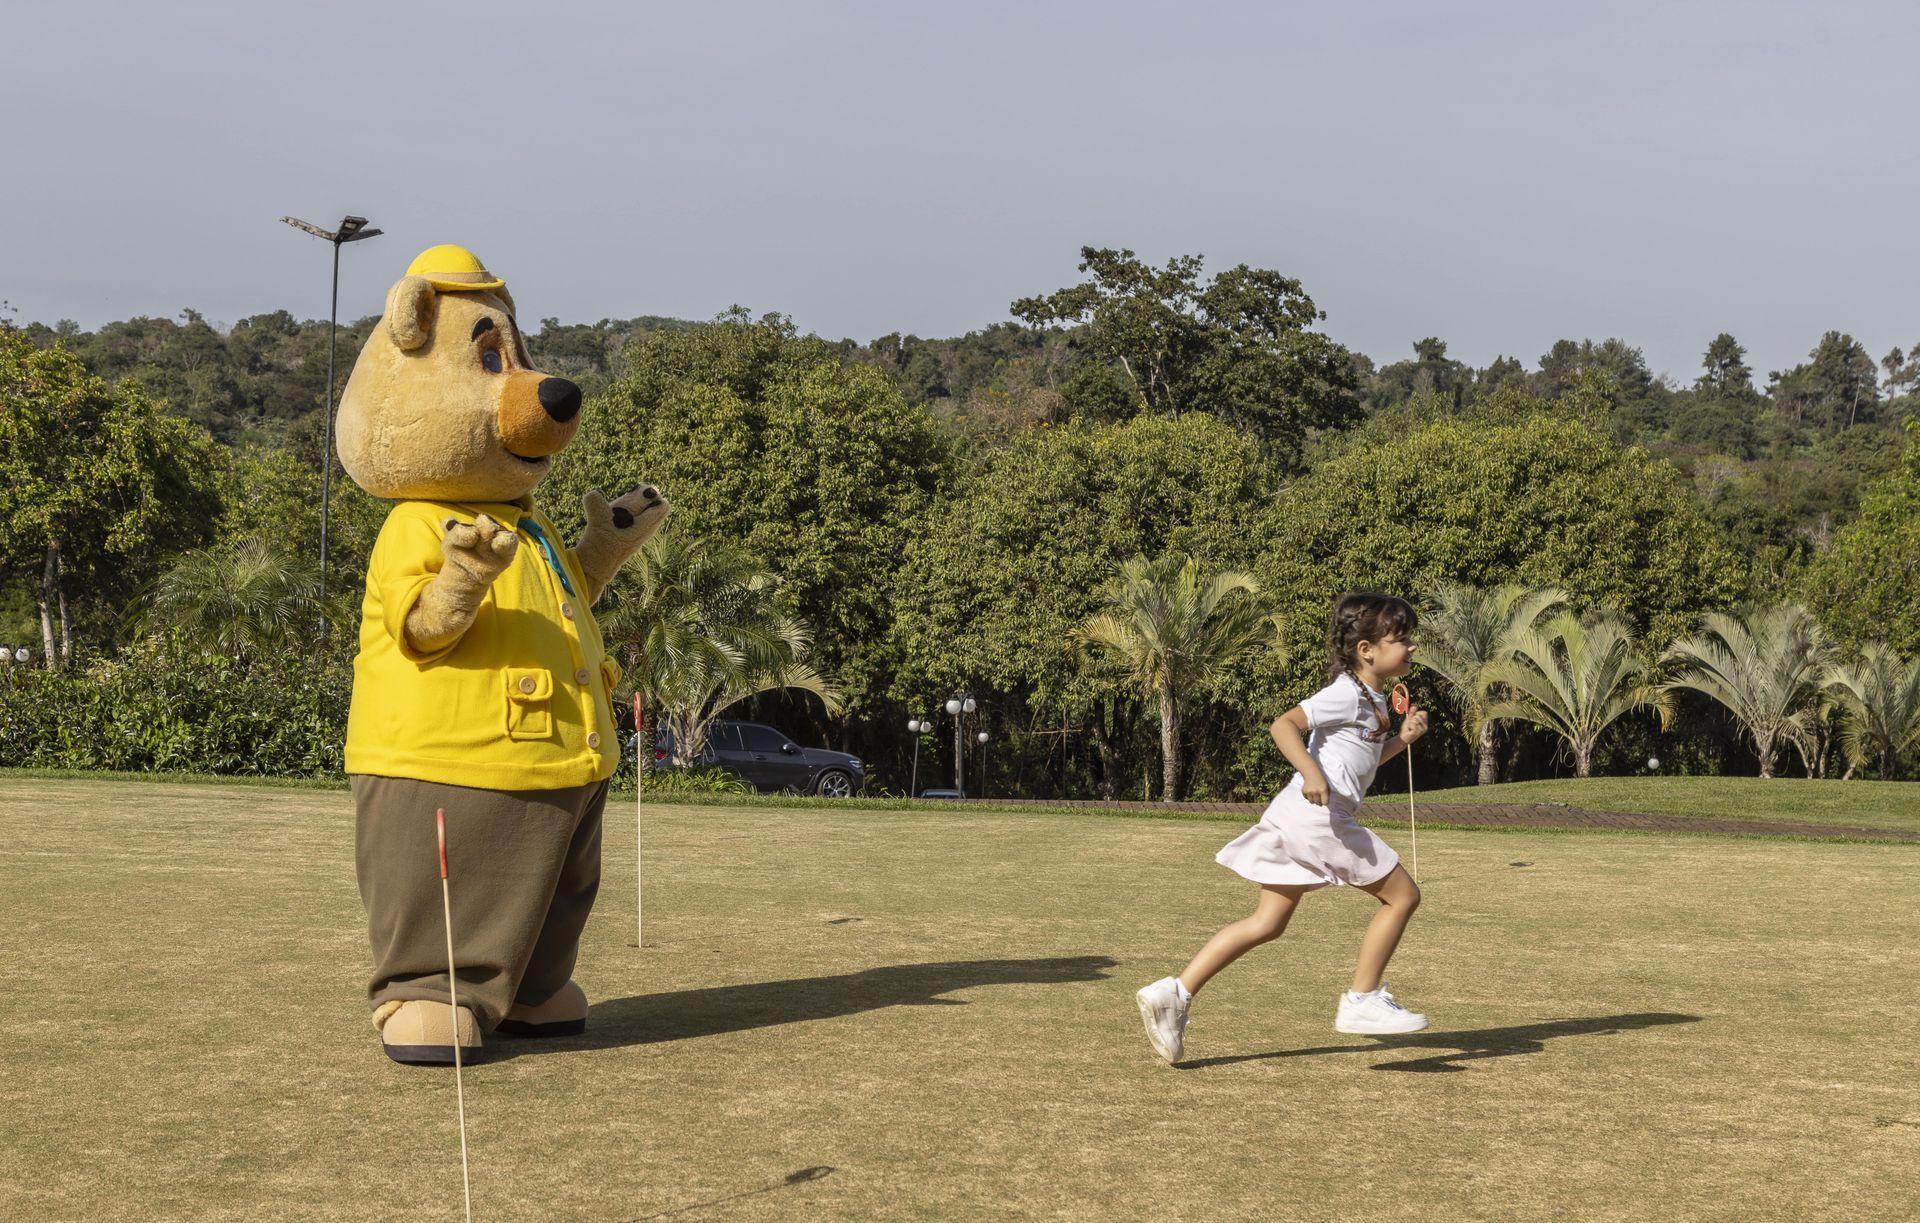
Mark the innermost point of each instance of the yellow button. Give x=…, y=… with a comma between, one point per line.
x=527, y=685
x=566, y=609
x=593, y=738
x=582, y=676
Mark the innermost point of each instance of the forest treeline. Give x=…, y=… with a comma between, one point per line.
x=947, y=514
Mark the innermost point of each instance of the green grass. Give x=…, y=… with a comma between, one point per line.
x=1868, y=804
x=1864, y=804
x=1626, y=1027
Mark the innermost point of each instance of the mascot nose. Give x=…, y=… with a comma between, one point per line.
x=537, y=415
x=560, y=398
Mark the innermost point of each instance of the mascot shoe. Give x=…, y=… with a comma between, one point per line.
x=564, y=1014
x=421, y=1033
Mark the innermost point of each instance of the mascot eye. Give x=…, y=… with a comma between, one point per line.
x=491, y=359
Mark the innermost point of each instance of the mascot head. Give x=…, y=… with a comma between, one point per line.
x=444, y=404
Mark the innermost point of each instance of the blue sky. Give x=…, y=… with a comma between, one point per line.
x=1500, y=175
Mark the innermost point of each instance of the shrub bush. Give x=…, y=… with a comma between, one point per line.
x=158, y=708
x=695, y=781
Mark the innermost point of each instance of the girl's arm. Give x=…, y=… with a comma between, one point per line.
x=1289, y=735
x=1411, y=727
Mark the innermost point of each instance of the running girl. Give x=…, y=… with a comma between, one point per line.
x=1309, y=836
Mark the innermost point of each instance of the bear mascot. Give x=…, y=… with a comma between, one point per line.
x=481, y=686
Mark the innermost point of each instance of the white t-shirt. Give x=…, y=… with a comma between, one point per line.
x=1342, y=720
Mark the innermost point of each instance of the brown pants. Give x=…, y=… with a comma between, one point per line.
x=523, y=866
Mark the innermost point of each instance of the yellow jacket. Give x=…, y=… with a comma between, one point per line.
x=522, y=701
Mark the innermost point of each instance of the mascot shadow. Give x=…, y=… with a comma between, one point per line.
x=685, y=1014
x=1458, y=1047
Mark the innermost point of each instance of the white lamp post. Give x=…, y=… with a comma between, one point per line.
x=916, y=727
x=958, y=706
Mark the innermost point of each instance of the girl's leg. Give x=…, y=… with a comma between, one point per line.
x=1399, y=896
x=1270, y=917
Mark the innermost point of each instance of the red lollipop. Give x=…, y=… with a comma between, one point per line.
x=1401, y=699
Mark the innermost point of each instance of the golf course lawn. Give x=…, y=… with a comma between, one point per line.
x=1871, y=804
x=880, y=1014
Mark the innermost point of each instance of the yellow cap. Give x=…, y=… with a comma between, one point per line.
x=453, y=268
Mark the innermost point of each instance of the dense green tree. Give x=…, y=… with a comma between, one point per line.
x=813, y=467
x=1866, y=586
x=1012, y=560
x=1006, y=359
x=1837, y=387
x=252, y=381
x=1719, y=426
x=1529, y=499
x=1505, y=372
x=1239, y=347
x=271, y=494
x=592, y=354
x=97, y=484
x=1430, y=372
x=1903, y=373
x=1724, y=374
x=1639, y=404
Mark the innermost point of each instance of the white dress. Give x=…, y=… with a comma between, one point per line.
x=1301, y=843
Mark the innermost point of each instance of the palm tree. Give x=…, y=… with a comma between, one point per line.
x=1575, y=677
x=1879, y=701
x=239, y=599
x=698, y=627
x=1174, y=628
x=1470, y=629
x=1767, y=665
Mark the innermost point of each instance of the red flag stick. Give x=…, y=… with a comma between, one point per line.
x=453, y=1007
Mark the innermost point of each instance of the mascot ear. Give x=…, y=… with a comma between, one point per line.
x=410, y=311
x=506, y=299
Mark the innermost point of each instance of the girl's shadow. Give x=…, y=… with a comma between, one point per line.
x=684, y=1014
x=1467, y=1046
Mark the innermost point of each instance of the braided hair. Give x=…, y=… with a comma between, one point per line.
x=1365, y=615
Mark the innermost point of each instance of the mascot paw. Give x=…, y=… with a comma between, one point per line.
x=633, y=517
x=481, y=551
x=564, y=1014
x=422, y=1033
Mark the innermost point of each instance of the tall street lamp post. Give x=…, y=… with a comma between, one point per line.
x=352, y=229
x=959, y=706
x=916, y=727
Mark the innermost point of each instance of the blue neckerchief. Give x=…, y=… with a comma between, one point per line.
x=532, y=528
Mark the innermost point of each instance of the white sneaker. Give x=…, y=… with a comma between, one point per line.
x=1375, y=1014
x=1165, y=1015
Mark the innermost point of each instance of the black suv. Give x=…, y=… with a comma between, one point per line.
x=766, y=759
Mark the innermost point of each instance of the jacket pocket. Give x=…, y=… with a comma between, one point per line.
x=610, y=673
x=529, y=703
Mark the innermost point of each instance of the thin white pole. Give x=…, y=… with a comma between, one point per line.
x=453, y=1009
x=1411, y=823
x=1402, y=701
x=640, y=774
